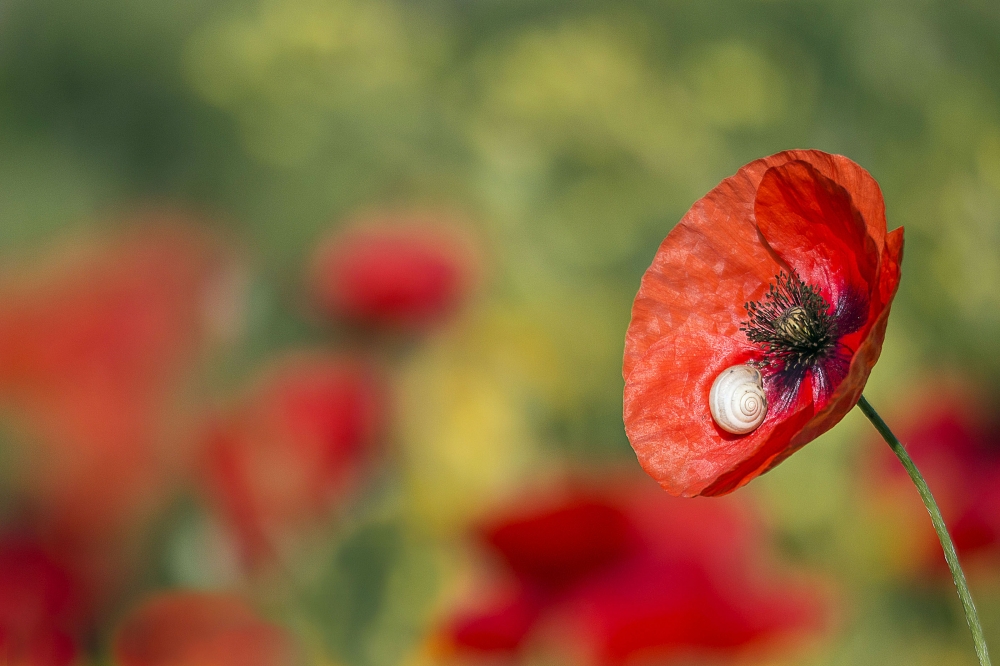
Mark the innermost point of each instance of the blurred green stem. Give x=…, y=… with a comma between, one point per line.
x=947, y=546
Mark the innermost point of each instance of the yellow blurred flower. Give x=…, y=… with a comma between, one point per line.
x=588, y=84
x=464, y=426
x=299, y=71
x=736, y=85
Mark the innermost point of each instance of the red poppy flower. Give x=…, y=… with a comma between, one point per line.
x=785, y=266
x=292, y=448
x=200, y=629
x=37, y=608
x=955, y=439
x=627, y=573
x=398, y=272
x=95, y=341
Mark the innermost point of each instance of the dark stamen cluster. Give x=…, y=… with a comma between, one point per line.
x=792, y=324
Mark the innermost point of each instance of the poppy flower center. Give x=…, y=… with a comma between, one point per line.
x=792, y=324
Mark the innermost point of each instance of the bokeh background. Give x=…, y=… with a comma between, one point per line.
x=312, y=315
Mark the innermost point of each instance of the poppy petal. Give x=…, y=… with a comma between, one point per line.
x=669, y=424
x=821, y=215
x=703, y=261
x=502, y=628
x=553, y=550
x=695, y=582
x=701, y=269
x=864, y=190
x=811, y=222
x=892, y=257
x=849, y=391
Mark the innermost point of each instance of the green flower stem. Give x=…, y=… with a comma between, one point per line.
x=947, y=546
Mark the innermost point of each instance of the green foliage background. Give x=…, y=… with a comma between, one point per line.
x=573, y=134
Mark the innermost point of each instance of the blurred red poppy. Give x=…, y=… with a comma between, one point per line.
x=397, y=271
x=93, y=343
x=38, y=608
x=787, y=266
x=955, y=440
x=292, y=448
x=200, y=629
x=624, y=573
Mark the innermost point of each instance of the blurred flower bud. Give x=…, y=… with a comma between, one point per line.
x=195, y=629
x=397, y=272
x=96, y=342
x=292, y=448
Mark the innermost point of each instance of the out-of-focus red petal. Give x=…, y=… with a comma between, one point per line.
x=200, y=629
x=109, y=318
x=692, y=581
x=553, y=549
x=657, y=607
x=812, y=224
x=396, y=271
x=96, y=341
x=38, y=607
x=282, y=459
x=502, y=628
x=952, y=432
x=48, y=646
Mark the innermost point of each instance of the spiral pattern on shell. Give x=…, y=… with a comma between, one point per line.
x=737, y=400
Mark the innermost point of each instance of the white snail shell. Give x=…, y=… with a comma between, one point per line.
x=737, y=399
